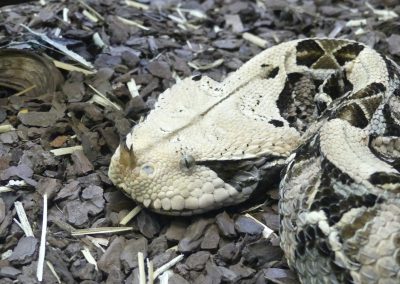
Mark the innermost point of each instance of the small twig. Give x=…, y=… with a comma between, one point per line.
x=98, y=242
x=93, y=11
x=167, y=266
x=164, y=277
x=132, y=23
x=100, y=230
x=60, y=47
x=89, y=257
x=6, y=254
x=51, y=267
x=66, y=150
x=25, y=91
x=70, y=67
x=90, y=16
x=24, y=223
x=136, y=5
x=255, y=40
x=6, y=128
x=42, y=248
x=133, y=89
x=130, y=215
x=5, y=189
x=102, y=99
x=65, y=15
x=98, y=40
x=214, y=64
x=150, y=271
x=142, y=272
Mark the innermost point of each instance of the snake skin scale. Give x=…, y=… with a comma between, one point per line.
x=325, y=114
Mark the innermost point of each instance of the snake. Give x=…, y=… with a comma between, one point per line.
x=321, y=115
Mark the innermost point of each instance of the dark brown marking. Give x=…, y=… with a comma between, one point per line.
x=371, y=104
x=336, y=85
x=353, y=114
x=347, y=53
x=369, y=91
x=391, y=67
x=276, y=123
x=308, y=52
x=325, y=62
x=196, y=77
x=382, y=178
x=273, y=73
x=392, y=128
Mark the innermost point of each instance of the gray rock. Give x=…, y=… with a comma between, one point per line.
x=246, y=225
x=83, y=270
x=226, y=225
x=272, y=221
x=176, y=231
x=158, y=245
x=9, y=272
x=160, y=69
x=193, y=235
x=230, y=252
x=177, y=279
x=211, y=238
x=130, y=252
x=242, y=271
x=148, y=224
x=24, y=252
x=197, y=261
x=228, y=275
x=261, y=252
x=111, y=257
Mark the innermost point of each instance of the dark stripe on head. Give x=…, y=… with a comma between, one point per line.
x=347, y=53
x=353, y=114
x=308, y=52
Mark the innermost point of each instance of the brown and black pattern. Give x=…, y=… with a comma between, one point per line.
x=296, y=101
x=347, y=53
x=326, y=54
x=308, y=52
x=337, y=85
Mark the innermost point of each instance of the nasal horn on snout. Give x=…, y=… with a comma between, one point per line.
x=127, y=156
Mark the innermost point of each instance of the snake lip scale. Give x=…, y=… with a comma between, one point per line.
x=324, y=112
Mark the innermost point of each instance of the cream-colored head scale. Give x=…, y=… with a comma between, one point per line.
x=163, y=163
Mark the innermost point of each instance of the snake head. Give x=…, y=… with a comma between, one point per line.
x=170, y=182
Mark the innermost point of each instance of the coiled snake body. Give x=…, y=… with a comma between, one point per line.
x=326, y=112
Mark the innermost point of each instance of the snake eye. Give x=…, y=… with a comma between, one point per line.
x=147, y=169
x=187, y=162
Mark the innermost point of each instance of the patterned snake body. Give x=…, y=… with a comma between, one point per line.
x=327, y=112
